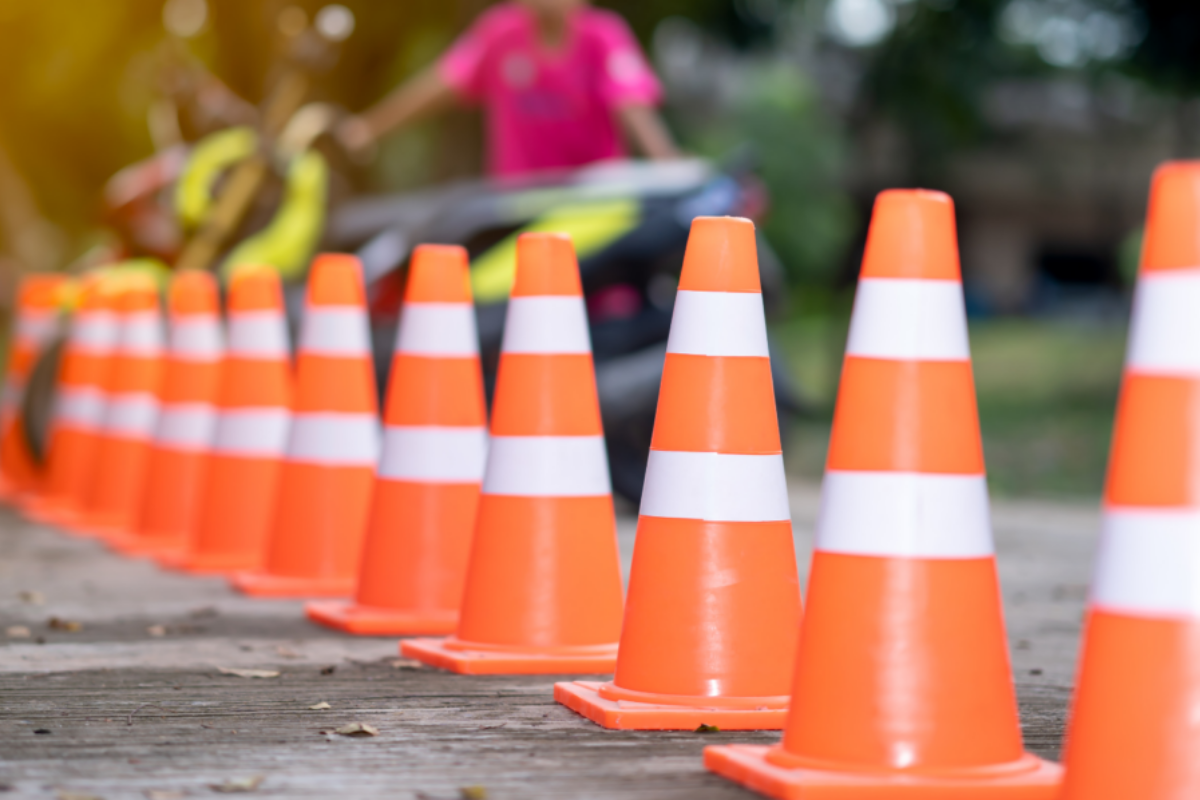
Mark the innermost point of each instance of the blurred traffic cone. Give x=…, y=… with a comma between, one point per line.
x=902, y=684
x=131, y=413
x=1134, y=730
x=543, y=589
x=714, y=600
x=186, y=419
x=320, y=514
x=36, y=323
x=78, y=420
x=241, y=481
x=435, y=442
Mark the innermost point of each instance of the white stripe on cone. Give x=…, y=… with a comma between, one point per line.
x=334, y=331
x=437, y=330
x=904, y=515
x=252, y=432
x=258, y=334
x=547, y=466
x=1149, y=563
x=1166, y=327
x=716, y=487
x=333, y=439
x=196, y=339
x=433, y=454
x=94, y=332
x=718, y=324
x=81, y=408
x=141, y=334
x=186, y=426
x=546, y=325
x=35, y=327
x=909, y=319
x=131, y=416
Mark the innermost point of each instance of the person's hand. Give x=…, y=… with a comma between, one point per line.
x=356, y=136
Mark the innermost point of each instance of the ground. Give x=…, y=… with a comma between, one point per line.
x=134, y=704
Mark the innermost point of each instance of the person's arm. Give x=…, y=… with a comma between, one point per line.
x=417, y=97
x=647, y=132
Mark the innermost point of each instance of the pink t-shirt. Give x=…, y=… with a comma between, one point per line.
x=549, y=109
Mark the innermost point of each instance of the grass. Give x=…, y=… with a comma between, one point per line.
x=1047, y=391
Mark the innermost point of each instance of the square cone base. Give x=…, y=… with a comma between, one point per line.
x=481, y=662
x=184, y=560
x=266, y=584
x=748, y=765
x=375, y=621
x=583, y=697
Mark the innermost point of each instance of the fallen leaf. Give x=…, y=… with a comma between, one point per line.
x=473, y=792
x=41, y=731
x=357, y=729
x=328, y=670
x=249, y=673
x=287, y=652
x=407, y=663
x=204, y=612
x=234, y=785
x=164, y=794
x=321, y=706
x=157, y=630
x=68, y=625
x=32, y=598
x=18, y=632
x=68, y=795
x=702, y=728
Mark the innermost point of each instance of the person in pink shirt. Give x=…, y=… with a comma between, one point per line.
x=562, y=85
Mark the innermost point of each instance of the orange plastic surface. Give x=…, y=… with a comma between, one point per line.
x=115, y=493
x=1134, y=732
x=912, y=235
x=435, y=391
x=546, y=395
x=439, y=274
x=586, y=698
x=721, y=256
x=170, y=501
x=1028, y=779
x=917, y=416
x=335, y=384
x=546, y=266
x=716, y=404
x=1172, y=238
x=1154, y=448
x=335, y=279
x=374, y=621
x=597, y=660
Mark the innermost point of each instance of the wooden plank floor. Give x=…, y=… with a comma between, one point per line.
x=133, y=705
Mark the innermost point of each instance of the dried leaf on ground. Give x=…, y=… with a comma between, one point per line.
x=164, y=794
x=328, y=670
x=357, y=729
x=157, y=630
x=235, y=785
x=68, y=625
x=473, y=792
x=321, y=706
x=287, y=652
x=72, y=795
x=407, y=663
x=702, y=728
x=32, y=598
x=249, y=673
x=18, y=632
x=204, y=612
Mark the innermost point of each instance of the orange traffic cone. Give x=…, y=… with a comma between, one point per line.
x=1134, y=730
x=714, y=600
x=79, y=407
x=543, y=589
x=186, y=419
x=903, y=687
x=241, y=480
x=435, y=442
x=320, y=515
x=36, y=324
x=135, y=380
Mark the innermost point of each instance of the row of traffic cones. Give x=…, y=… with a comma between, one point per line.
x=897, y=684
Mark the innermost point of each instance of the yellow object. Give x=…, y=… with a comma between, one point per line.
x=208, y=159
x=591, y=226
x=290, y=239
